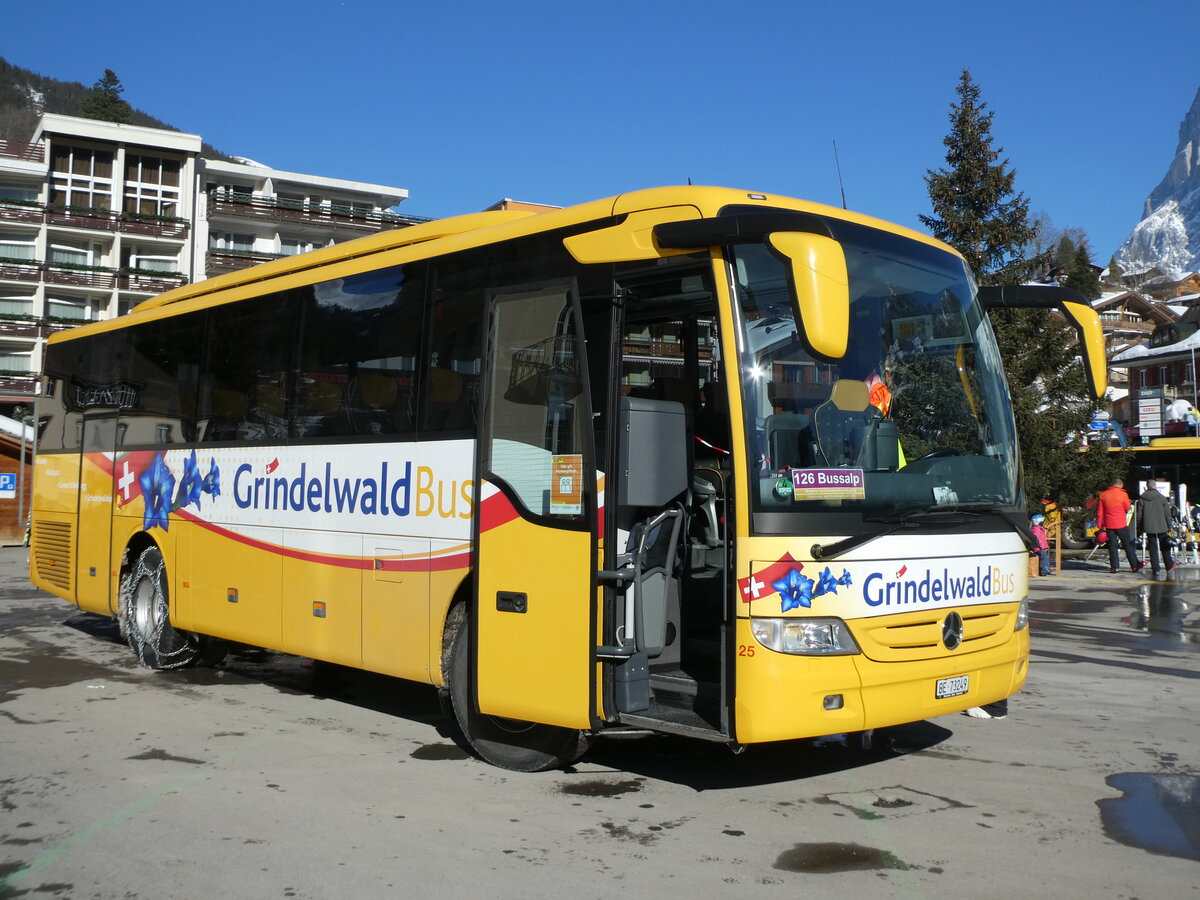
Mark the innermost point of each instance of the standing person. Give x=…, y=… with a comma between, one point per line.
x=1154, y=515
x=1038, y=530
x=1113, y=516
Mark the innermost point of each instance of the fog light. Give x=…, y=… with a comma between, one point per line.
x=834, y=701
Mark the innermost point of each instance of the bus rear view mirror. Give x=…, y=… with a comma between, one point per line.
x=816, y=266
x=1075, y=308
x=819, y=287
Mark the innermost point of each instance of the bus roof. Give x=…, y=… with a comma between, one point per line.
x=477, y=229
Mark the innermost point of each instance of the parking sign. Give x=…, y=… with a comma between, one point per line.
x=8, y=485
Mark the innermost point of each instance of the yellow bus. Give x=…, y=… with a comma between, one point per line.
x=688, y=460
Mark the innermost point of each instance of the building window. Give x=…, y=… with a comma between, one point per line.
x=18, y=193
x=15, y=358
x=72, y=309
x=16, y=247
x=150, y=259
x=81, y=177
x=1162, y=376
x=229, y=191
x=151, y=185
x=16, y=305
x=73, y=253
x=1187, y=373
x=293, y=246
x=231, y=243
x=1142, y=380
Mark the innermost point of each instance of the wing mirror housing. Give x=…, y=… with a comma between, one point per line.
x=1074, y=306
x=816, y=266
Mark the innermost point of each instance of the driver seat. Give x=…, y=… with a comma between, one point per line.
x=841, y=423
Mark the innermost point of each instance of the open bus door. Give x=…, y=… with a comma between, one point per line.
x=534, y=615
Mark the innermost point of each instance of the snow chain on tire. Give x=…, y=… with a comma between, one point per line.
x=160, y=645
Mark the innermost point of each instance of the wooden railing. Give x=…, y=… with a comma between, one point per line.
x=28, y=152
x=274, y=209
x=94, y=219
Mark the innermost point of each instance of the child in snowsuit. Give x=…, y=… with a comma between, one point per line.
x=1038, y=530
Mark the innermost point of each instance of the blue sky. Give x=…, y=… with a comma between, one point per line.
x=463, y=102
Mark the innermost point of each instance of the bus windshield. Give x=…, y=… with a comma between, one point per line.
x=914, y=419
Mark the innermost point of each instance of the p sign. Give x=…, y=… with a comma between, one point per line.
x=8, y=485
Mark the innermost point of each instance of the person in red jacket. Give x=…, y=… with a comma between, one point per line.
x=1113, y=517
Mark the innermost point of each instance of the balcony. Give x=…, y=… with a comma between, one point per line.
x=218, y=262
x=91, y=277
x=92, y=219
x=26, y=152
x=149, y=282
x=275, y=210
x=17, y=385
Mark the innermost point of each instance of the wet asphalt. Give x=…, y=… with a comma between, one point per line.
x=271, y=776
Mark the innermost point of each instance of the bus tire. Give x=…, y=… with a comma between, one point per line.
x=508, y=743
x=145, y=621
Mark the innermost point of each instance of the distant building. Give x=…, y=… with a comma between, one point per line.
x=507, y=203
x=96, y=217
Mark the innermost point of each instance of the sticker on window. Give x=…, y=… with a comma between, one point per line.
x=566, y=485
x=828, y=484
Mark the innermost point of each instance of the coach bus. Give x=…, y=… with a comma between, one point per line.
x=688, y=460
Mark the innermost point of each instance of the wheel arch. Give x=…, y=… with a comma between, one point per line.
x=457, y=611
x=138, y=543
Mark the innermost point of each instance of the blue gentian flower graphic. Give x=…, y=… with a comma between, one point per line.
x=157, y=486
x=844, y=581
x=795, y=589
x=212, y=481
x=190, y=485
x=826, y=583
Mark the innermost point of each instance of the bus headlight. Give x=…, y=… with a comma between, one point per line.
x=1022, y=615
x=806, y=637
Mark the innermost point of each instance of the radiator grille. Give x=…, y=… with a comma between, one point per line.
x=919, y=635
x=51, y=545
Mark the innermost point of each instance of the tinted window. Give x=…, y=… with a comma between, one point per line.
x=359, y=350
x=244, y=391
x=164, y=369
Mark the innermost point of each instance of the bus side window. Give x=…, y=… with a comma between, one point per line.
x=246, y=394
x=453, y=359
x=162, y=371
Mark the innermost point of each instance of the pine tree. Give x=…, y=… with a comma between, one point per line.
x=105, y=102
x=978, y=213
x=975, y=209
x=1080, y=274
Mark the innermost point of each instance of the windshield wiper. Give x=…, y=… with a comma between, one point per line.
x=905, y=517
x=837, y=548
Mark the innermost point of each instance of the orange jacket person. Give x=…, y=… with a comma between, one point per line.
x=1113, y=517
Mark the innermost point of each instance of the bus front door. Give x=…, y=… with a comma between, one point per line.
x=535, y=601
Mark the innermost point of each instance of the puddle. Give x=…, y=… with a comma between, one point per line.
x=44, y=668
x=826, y=859
x=1161, y=610
x=595, y=787
x=1160, y=813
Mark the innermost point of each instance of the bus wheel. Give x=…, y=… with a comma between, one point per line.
x=147, y=627
x=508, y=743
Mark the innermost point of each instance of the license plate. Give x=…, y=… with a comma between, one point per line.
x=953, y=687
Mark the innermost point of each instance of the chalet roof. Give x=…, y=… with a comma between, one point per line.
x=1133, y=300
x=1145, y=352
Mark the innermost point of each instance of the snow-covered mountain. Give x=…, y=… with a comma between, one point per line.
x=1168, y=237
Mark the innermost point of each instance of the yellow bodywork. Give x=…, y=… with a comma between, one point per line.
x=538, y=664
